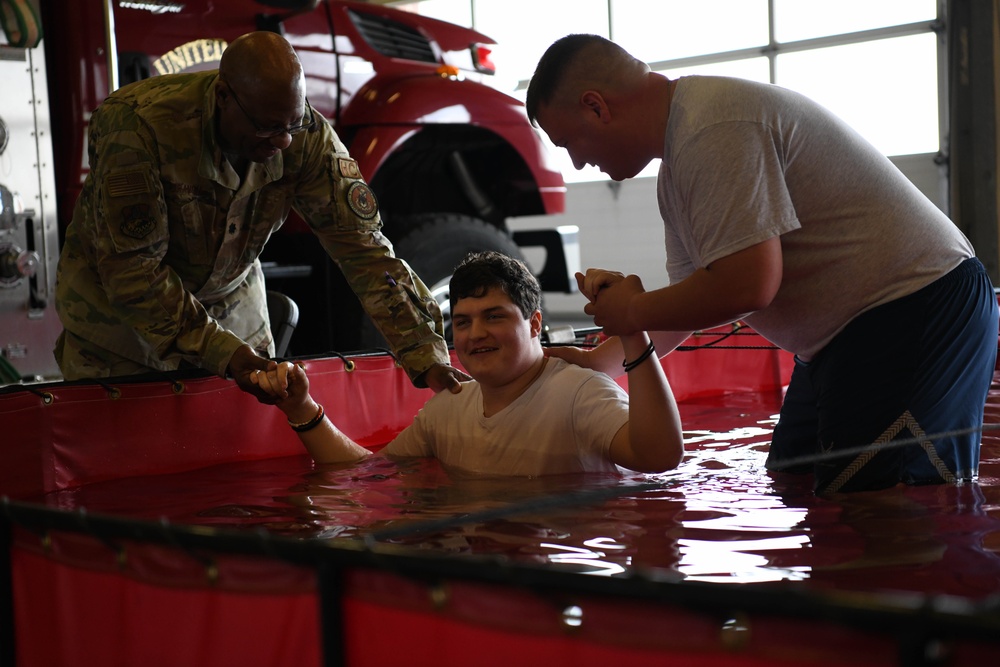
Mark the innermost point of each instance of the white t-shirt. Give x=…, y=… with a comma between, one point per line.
x=744, y=162
x=563, y=423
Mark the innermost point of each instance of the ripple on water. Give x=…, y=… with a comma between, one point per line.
x=720, y=516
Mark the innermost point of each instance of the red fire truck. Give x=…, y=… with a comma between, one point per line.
x=450, y=158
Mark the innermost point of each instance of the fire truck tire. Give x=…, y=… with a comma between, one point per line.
x=433, y=247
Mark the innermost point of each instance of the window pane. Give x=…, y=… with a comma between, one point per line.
x=755, y=69
x=589, y=173
x=525, y=28
x=886, y=89
x=668, y=29
x=805, y=19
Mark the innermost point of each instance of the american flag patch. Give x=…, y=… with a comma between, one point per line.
x=130, y=183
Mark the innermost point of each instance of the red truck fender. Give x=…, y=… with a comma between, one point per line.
x=387, y=111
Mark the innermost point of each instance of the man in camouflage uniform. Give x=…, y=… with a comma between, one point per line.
x=190, y=175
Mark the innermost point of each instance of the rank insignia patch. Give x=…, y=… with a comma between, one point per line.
x=137, y=221
x=348, y=168
x=130, y=183
x=362, y=201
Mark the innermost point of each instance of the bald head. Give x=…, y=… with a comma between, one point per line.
x=263, y=64
x=260, y=96
x=577, y=63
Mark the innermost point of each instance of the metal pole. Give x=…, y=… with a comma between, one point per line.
x=111, y=46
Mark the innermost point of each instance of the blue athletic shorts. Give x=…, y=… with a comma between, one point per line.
x=912, y=369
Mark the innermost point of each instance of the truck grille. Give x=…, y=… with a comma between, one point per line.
x=392, y=38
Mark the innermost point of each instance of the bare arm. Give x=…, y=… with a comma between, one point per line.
x=652, y=440
x=728, y=289
x=607, y=357
x=326, y=443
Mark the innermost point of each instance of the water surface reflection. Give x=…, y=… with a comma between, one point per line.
x=719, y=517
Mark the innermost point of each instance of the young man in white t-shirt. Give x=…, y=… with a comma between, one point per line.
x=523, y=414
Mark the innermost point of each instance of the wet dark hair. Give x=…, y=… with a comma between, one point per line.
x=480, y=272
x=552, y=68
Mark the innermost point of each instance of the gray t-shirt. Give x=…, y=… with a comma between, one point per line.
x=744, y=162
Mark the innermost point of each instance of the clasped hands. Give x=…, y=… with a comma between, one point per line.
x=611, y=296
x=279, y=381
x=246, y=367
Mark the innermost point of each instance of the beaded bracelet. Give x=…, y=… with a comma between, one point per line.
x=630, y=365
x=309, y=425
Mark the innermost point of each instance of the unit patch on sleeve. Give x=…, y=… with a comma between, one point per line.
x=362, y=201
x=348, y=167
x=127, y=184
x=137, y=221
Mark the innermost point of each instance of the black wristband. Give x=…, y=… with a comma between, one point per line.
x=309, y=425
x=630, y=365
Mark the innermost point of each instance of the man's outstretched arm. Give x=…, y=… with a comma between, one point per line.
x=289, y=385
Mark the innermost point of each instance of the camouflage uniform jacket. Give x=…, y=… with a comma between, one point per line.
x=160, y=263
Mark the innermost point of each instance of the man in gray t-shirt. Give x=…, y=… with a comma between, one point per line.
x=777, y=213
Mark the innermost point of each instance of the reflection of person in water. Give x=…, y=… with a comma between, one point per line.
x=523, y=414
x=931, y=540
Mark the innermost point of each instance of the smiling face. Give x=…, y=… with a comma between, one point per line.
x=244, y=116
x=493, y=340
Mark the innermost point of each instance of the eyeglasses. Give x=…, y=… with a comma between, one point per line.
x=269, y=133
